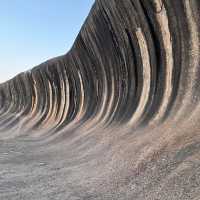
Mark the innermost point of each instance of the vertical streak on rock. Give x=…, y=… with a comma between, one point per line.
x=162, y=19
x=146, y=78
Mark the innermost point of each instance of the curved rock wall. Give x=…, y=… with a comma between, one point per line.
x=123, y=103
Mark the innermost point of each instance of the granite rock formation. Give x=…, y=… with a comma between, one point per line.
x=117, y=117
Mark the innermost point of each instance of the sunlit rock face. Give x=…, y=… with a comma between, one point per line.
x=117, y=117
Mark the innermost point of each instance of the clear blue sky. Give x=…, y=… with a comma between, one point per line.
x=32, y=31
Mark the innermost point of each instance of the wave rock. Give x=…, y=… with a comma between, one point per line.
x=117, y=117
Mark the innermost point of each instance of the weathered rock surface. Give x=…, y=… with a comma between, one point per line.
x=117, y=117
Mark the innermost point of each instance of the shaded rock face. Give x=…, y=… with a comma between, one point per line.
x=117, y=117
